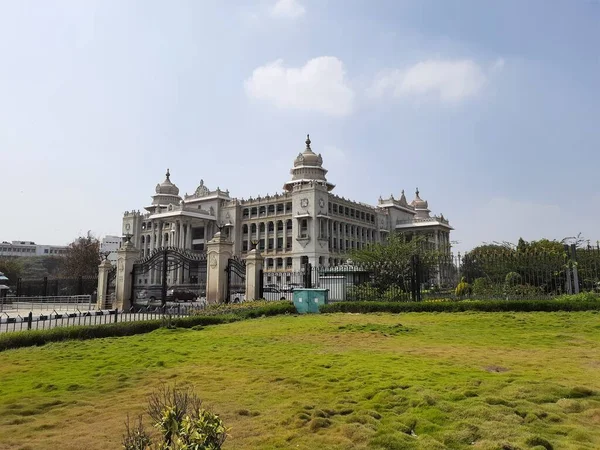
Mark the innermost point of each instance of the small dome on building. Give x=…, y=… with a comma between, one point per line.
x=308, y=157
x=166, y=187
x=418, y=202
x=421, y=206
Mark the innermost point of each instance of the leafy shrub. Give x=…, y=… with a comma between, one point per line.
x=395, y=294
x=461, y=306
x=512, y=279
x=181, y=421
x=365, y=291
x=582, y=297
x=484, y=288
x=256, y=308
x=463, y=289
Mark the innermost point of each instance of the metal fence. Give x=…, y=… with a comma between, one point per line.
x=53, y=319
x=348, y=282
x=497, y=274
x=55, y=303
x=46, y=286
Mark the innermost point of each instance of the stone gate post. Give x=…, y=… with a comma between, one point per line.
x=254, y=265
x=103, y=269
x=218, y=252
x=126, y=256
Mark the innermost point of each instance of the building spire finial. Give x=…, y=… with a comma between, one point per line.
x=308, y=141
x=168, y=174
x=417, y=192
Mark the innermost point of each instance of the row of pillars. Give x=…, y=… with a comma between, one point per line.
x=218, y=251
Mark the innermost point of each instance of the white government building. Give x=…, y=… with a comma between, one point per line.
x=307, y=222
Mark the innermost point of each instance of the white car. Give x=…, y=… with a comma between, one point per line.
x=272, y=293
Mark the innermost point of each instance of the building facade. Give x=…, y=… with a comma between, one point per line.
x=306, y=223
x=29, y=248
x=109, y=246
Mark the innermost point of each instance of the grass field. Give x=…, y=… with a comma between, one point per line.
x=340, y=381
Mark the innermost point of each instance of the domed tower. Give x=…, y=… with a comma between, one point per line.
x=166, y=193
x=308, y=168
x=421, y=207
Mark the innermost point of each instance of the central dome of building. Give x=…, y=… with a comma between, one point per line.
x=308, y=157
x=166, y=187
x=308, y=169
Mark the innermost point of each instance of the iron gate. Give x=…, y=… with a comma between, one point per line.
x=168, y=267
x=236, y=280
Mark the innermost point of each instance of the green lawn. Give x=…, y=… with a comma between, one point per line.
x=340, y=381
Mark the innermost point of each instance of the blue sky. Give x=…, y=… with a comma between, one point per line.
x=491, y=108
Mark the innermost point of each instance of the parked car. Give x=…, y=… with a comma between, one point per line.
x=276, y=294
x=177, y=294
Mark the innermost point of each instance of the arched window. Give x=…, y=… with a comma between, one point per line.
x=245, y=228
x=142, y=239
x=271, y=226
x=261, y=227
x=253, y=228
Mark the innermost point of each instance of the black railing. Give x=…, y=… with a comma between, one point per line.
x=497, y=275
x=45, y=287
x=54, y=319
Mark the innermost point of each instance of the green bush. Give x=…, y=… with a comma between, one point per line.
x=40, y=337
x=365, y=291
x=396, y=294
x=484, y=288
x=582, y=297
x=462, y=306
x=463, y=289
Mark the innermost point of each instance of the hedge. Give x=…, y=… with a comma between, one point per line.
x=40, y=337
x=462, y=306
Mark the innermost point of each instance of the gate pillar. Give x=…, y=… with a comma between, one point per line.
x=218, y=252
x=126, y=256
x=254, y=265
x=103, y=270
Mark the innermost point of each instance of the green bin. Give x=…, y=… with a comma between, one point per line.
x=309, y=300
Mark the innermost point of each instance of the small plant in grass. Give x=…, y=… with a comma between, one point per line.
x=181, y=422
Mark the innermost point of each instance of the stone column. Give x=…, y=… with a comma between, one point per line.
x=189, y=236
x=103, y=270
x=126, y=256
x=218, y=251
x=181, y=242
x=254, y=265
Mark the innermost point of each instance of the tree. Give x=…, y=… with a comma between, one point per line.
x=11, y=268
x=390, y=261
x=82, y=257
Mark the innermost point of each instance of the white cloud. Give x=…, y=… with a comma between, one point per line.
x=449, y=80
x=291, y=9
x=320, y=85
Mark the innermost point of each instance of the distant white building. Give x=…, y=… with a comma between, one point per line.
x=109, y=245
x=29, y=248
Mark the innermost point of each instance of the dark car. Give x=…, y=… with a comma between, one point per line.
x=177, y=294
